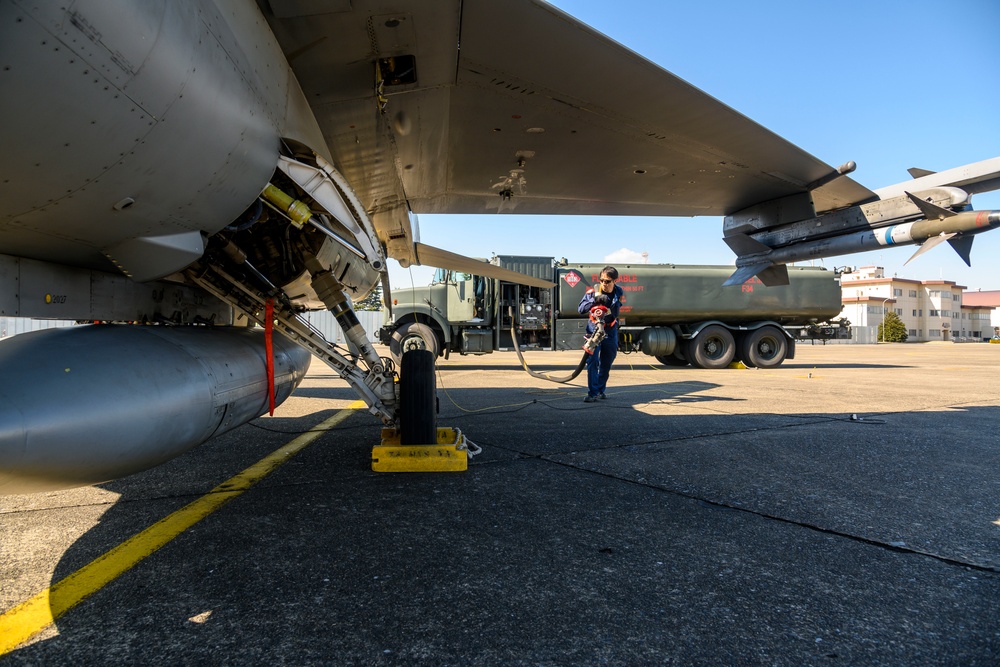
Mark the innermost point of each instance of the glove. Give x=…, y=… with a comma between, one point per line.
x=602, y=299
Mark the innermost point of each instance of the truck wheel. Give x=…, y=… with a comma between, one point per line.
x=412, y=336
x=672, y=360
x=417, y=399
x=713, y=347
x=766, y=347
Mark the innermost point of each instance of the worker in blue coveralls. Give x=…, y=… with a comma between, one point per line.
x=608, y=296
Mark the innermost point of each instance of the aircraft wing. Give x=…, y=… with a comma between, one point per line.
x=521, y=108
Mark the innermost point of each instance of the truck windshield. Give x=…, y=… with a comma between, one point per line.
x=446, y=276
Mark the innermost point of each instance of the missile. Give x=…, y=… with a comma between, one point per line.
x=84, y=405
x=940, y=225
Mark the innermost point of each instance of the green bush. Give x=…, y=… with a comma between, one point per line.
x=895, y=330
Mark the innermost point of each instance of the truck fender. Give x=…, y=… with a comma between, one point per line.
x=424, y=315
x=763, y=323
x=692, y=330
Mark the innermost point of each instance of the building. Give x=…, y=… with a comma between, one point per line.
x=11, y=326
x=990, y=298
x=931, y=310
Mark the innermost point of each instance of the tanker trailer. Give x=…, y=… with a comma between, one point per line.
x=682, y=314
x=677, y=313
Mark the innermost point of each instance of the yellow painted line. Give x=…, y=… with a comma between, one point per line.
x=34, y=615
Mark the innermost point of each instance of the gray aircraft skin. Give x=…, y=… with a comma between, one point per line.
x=190, y=165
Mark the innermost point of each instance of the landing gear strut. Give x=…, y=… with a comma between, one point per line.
x=415, y=410
x=375, y=384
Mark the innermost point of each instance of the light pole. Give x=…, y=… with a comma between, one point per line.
x=883, y=318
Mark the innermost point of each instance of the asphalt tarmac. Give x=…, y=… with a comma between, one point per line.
x=843, y=509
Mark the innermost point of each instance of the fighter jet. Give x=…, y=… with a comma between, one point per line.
x=173, y=172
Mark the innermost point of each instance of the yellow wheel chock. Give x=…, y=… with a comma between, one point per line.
x=451, y=453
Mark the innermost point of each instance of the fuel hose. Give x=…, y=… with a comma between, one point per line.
x=536, y=374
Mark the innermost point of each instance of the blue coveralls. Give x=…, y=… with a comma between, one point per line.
x=599, y=363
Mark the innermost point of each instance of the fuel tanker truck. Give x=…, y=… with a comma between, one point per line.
x=679, y=314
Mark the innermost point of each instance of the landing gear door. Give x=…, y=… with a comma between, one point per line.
x=461, y=297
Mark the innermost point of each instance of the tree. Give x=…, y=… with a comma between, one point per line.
x=371, y=302
x=895, y=330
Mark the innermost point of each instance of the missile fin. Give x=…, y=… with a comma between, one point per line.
x=917, y=172
x=963, y=246
x=770, y=274
x=745, y=273
x=930, y=211
x=932, y=242
x=774, y=276
x=742, y=245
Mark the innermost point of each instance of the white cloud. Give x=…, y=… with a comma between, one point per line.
x=626, y=256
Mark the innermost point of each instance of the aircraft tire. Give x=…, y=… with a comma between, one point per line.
x=413, y=336
x=417, y=399
x=713, y=347
x=766, y=347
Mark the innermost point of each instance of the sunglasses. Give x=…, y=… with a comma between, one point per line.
x=606, y=281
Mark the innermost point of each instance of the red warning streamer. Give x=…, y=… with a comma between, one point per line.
x=269, y=351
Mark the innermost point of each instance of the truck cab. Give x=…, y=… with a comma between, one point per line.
x=465, y=296
x=469, y=313
x=431, y=317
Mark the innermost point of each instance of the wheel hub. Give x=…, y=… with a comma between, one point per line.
x=414, y=343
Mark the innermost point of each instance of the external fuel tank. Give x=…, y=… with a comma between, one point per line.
x=659, y=294
x=87, y=404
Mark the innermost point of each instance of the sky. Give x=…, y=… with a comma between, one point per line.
x=889, y=84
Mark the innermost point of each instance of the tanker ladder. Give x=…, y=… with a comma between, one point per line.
x=376, y=386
